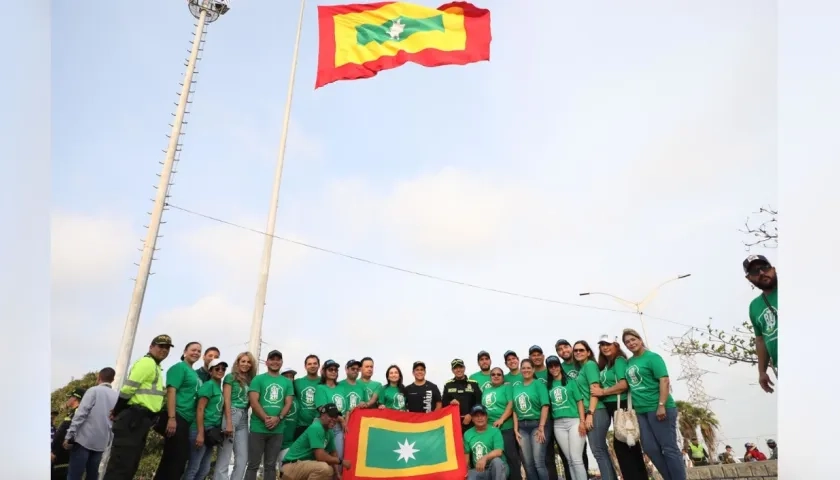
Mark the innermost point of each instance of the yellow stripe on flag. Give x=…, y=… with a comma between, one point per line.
x=362, y=470
x=347, y=49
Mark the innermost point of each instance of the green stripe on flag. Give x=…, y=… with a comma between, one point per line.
x=396, y=450
x=397, y=29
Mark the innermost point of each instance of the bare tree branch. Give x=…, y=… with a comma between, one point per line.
x=737, y=346
x=762, y=231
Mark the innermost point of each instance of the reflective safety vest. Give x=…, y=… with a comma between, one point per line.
x=696, y=451
x=144, y=386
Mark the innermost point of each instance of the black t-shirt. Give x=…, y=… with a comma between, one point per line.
x=421, y=398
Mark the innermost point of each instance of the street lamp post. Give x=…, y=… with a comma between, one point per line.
x=639, y=306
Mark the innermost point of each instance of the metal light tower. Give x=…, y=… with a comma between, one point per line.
x=205, y=11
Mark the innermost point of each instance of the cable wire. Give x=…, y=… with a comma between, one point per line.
x=424, y=275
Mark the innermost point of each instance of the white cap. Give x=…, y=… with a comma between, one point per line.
x=288, y=370
x=216, y=362
x=607, y=339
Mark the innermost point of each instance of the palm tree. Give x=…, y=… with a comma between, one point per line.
x=709, y=424
x=686, y=422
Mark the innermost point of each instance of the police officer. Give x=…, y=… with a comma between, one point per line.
x=61, y=455
x=461, y=391
x=137, y=409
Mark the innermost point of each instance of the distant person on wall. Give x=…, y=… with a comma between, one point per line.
x=753, y=454
x=90, y=430
x=728, y=455
x=60, y=453
x=421, y=396
x=699, y=455
x=764, y=316
x=774, y=450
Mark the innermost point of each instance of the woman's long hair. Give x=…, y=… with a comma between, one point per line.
x=244, y=379
x=563, y=377
x=588, y=350
x=604, y=361
x=187, y=348
x=400, y=385
x=324, y=376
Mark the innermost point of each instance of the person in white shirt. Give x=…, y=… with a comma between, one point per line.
x=90, y=430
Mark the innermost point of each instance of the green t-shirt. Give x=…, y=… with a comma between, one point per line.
x=482, y=379
x=564, y=399
x=765, y=322
x=588, y=375
x=238, y=393
x=570, y=369
x=478, y=444
x=495, y=400
x=528, y=400
x=513, y=379
x=542, y=375
x=392, y=398
x=313, y=438
x=185, y=381
x=372, y=387
x=290, y=425
x=610, y=375
x=212, y=391
x=305, y=389
x=272, y=392
x=325, y=394
x=354, y=394
x=643, y=374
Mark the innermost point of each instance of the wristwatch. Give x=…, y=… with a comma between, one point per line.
x=661, y=404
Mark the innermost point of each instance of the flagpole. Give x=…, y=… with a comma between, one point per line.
x=255, y=341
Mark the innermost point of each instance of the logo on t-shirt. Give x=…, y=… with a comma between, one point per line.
x=308, y=397
x=603, y=376
x=768, y=319
x=486, y=385
x=399, y=401
x=353, y=399
x=559, y=396
x=490, y=399
x=523, y=403
x=543, y=380
x=634, y=375
x=273, y=394
x=220, y=403
x=573, y=374
x=479, y=450
x=338, y=400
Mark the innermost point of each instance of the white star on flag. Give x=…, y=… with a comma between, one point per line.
x=406, y=451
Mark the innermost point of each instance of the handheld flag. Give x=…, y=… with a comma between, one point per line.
x=389, y=444
x=360, y=40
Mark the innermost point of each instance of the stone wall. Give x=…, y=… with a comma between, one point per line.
x=739, y=471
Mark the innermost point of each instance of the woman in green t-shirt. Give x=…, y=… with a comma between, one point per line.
x=182, y=384
x=392, y=395
x=650, y=386
x=567, y=412
x=612, y=362
x=530, y=417
x=497, y=399
x=208, y=416
x=328, y=391
x=235, y=418
x=597, y=419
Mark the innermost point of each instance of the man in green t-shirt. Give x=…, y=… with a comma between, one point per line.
x=352, y=389
x=482, y=376
x=764, y=316
x=372, y=387
x=313, y=455
x=513, y=377
x=305, y=388
x=290, y=422
x=270, y=395
x=484, y=448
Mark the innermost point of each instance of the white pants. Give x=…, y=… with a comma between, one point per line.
x=572, y=443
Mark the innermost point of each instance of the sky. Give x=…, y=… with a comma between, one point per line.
x=600, y=149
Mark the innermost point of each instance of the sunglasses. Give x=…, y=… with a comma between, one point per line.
x=580, y=350
x=757, y=269
x=496, y=375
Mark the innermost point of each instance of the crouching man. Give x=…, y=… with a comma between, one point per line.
x=484, y=448
x=313, y=455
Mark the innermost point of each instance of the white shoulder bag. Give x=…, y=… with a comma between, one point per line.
x=625, y=423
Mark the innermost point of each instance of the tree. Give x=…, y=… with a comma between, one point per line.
x=737, y=346
x=154, y=443
x=764, y=231
x=692, y=418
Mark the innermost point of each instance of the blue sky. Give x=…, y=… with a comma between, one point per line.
x=600, y=149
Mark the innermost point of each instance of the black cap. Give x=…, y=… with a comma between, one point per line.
x=418, y=363
x=330, y=409
x=727, y=446
x=535, y=348
x=274, y=353
x=562, y=341
x=509, y=353
x=162, y=341
x=553, y=359
x=457, y=363
x=351, y=363
x=329, y=364
x=78, y=393
x=483, y=353
x=754, y=258
x=478, y=409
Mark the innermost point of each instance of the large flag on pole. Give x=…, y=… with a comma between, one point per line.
x=360, y=40
x=389, y=444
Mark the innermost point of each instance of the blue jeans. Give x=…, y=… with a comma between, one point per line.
x=533, y=452
x=83, y=461
x=199, y=464
x=338, y=431
x=236, y=445
x=494, y=470
x=598, y=443
x=659, y=441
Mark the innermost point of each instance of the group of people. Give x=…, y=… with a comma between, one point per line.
x=526, y=415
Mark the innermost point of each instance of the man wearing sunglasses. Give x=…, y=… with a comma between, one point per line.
x=764, y=316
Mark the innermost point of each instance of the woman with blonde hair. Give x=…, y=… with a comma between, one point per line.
x=656, y=410
x=235, y=418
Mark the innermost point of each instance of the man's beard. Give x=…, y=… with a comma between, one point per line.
x=774, y=281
